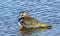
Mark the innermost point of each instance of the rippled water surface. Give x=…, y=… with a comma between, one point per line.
x=46, y=11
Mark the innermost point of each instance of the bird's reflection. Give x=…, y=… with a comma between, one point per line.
x=30, y=31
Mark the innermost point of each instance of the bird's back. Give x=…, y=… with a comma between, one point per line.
x=31, y=22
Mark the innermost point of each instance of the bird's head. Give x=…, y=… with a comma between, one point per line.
x=23, y=14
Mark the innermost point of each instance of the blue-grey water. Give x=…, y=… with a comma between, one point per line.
x=46, y=11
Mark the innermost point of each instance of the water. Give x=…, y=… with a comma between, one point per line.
x=46, y=11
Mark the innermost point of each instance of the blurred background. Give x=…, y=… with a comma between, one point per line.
x=46, y=11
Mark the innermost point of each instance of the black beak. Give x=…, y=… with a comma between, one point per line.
x=20, y=19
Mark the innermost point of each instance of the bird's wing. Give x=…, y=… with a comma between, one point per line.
x=33, y=22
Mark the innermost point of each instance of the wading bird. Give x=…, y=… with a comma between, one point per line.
x=29, y=22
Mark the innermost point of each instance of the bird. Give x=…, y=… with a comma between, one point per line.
x=27, y=21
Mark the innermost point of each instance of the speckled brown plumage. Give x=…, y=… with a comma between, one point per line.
x=30, y=22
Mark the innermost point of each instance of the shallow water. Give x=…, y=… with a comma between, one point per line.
x=31, y=31
x=46, y=11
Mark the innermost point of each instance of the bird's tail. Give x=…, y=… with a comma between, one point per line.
x=45, y=26
x=49, y=27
